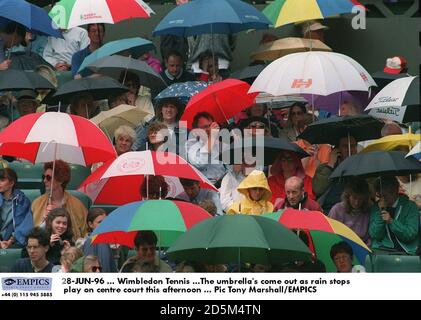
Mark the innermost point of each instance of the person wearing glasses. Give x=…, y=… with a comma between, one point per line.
x=38, y=244
x=42, y=206
x=15, y=212
x=89, y=264
x=342, y=254
x=254, y=125
x=298, y=119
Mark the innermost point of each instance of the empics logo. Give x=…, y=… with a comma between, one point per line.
x=26, y=284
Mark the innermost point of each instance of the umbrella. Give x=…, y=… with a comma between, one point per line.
x=27, y=61
x=20, y=80
x=34, y=18
x=44, y=137
x=217, y=16
x=324, y=233
x=239, y=239
x=222, y=100
x=128, y=171
x=391, y=142
x=135, y=47
x=361, y=127
x=282, y=12
x=73, y=13
x=108, y=121
x=273, y=50
x=181, y=90
x=416, y=151
x=312, y=72
x=168, y=219
x=268, y=147
x=99, y=88
x=384, y=78
x=113, y=66
x=402, y=114
x=376, y=163
x=248, y=74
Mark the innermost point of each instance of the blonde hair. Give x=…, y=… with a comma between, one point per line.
x=125, y=131
x=69, y=256
x=47, y=73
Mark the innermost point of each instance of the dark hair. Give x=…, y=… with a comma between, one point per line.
x=147, y=237
x=209, y=206
x=188, y=182
x=356, y=186
x=156, y=186
x=174, y=53
x=94, y=213
x=297, y=104
x=388, y=184
x=98, y=24
x=9, y=174
x=59, y=212
x=341, y=247
x=178, y=104
x=207, y=55
x=62, y=171
x=13, y=27
x=200, y=115
x=41, y=235
x=343, y=135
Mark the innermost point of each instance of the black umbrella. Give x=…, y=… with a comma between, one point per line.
x=114, y=66
x=42, y=3
x=249, y=74
x=27, y=61
x=376, y=163
x=382, y=78
x=361, y=127
x=21, y=80
x=267, y=147
x=99, y=88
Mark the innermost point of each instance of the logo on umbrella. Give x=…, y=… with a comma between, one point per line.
x=386, y=99
x=131, y=165
x=363, y=76
x=391, y=110
x=301, y=83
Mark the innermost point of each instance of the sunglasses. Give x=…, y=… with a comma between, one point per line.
x=48, y=177
x=257, y=126
x=96, y=268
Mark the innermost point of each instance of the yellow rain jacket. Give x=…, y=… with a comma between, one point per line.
x=256, y=179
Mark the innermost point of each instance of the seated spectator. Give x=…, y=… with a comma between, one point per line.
x=253, y=126
x=38, y=244
x=117, y=99
x=154, y=188
x=190, y=266
x=349, y=108
x=298, y=119
x=83, y=105
x=391, y=128
x=411, y=187
x=143, y=265
x=208, y=63
x=11, y=35
x=341, y=254
x=209, y=207
x=88, y=264
x=124, y=137
x=145, y=244
x=228, y=190
x=174, y=69
x=296, y=197
x=15, y=208
x=26, y=102
x=257, y=195
x=395, y=220
x=157, y=135
x=151, y=61
x=261, y=110
x=314, y=30
x=68, y=257
x=354, y=210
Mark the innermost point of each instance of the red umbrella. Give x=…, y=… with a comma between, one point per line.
x=118, y=181
x=222, y=100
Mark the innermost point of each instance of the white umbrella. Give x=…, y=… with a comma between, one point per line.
x=313, y=72
x=415, y=151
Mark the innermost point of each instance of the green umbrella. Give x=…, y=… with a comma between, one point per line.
x=239, y=239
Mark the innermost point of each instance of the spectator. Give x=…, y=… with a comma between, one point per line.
x=12, y=35
x=253, y=126
x=154, y=187
x=43, y=205
x=341, y=254
x=174, y=69
x=131, y=81
x=143, y=265
x=117, y=99
x=88, y=264
x=83, y=105
x=124, y=137
x=297, y=121
x=208, y=64
x=37, y=247
x=349, y=108
x=394, y=221
x=209, y=207
x=257, y=195
x=145, y=244
x=390, y=128
x=157, y=136
x=68, y=257
x=261, y=110
x=59, y=227
x=15, y=208
x=151, y=61
x=354, y=210
x=296, y=197
x=26, y=102
x=314, y=30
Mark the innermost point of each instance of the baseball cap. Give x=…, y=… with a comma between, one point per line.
x=26, y=94
x=395, y=65
x=313, y=26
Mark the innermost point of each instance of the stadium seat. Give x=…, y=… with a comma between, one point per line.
x=29, y=175
x=393, y=263
x=8, y=258
x=87, y=202
x=32, y=194
x=79, y=174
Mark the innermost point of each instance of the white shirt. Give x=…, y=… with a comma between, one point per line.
x=228, y=190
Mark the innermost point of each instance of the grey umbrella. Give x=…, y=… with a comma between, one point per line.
x=20, y=80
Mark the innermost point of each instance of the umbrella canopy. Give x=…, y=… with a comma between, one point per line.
x=114, y=66
x=20, y=80
x=402, y=114
x=222, y=100
x=313, y=72
x=134, y=47
x=384, y=78
x=217, y=16
x=99, y=88
x=27, y=61
x=282, y=12
x=268, y=147
x=73, y=13
x=324, y=233
x=34, y=18
x=248, y=74
x=128, y=171
x=181, y=90
x=376, y=163
x=239, y=239
x=361, y=127
x=279, y=48
x=415, y=152
x=168, y=219
x=108, y=121
x=391, y=142
x=44, y=137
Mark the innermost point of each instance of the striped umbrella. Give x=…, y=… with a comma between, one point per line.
x=72, y=13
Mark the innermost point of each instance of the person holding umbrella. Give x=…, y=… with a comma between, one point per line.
x=13, y=34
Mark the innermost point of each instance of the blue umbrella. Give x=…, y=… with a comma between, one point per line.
x=136, y=46
x=216, y=16
x=34, y=18
x=182, y=90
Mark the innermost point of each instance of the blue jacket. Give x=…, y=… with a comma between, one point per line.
x=22, y=217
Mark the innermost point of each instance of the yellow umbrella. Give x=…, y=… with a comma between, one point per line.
x=279, y=48
x=109, y=121
x=393, y=142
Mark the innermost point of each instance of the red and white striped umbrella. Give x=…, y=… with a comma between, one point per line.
x=44, y=137
x=118, y=181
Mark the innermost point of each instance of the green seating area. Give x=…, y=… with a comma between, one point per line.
x=392, y=263
x=79, y=174
x=8, y=258
x=29, y=175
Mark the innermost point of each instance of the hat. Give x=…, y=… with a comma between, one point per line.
x=395, y=65
x=245, y=122
x=26, y=94
x=313, y=26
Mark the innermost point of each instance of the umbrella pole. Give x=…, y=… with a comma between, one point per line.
x=349, y=145
x=220, y=107
x=147, y=187
x=239, y=259
x=50, y=196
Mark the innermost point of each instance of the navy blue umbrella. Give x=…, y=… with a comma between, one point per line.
x=34, y=18
x=211, y=17
x=182, y=91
